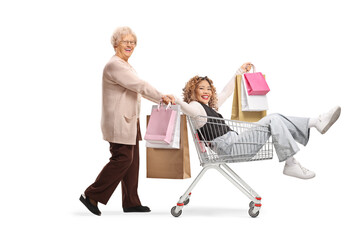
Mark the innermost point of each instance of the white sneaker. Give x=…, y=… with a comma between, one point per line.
x=326, y=120
x=298, y=171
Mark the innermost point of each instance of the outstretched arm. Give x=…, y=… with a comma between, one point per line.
x=191, y=109
x=123, y=75
x=230, y=86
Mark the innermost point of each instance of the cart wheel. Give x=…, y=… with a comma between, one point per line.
x=174, y=213
x=251, y=204
x=186, y=202
x=252, y=214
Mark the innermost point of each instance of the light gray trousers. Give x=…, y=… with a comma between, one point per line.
x=285, y=132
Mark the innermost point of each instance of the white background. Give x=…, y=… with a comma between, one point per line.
x=52, y=54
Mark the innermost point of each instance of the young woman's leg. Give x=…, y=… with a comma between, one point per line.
x=286, y=133
x=326, y=120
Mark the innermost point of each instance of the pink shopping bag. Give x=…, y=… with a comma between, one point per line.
x=256, y=83
x=161, y=125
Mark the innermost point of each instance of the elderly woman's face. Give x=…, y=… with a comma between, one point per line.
x=203, y=92
x=126, y=47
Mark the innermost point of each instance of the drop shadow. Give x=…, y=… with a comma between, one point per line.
x=196, y=211
x=207, y=212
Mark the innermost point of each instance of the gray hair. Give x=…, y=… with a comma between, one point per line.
x=119, y=33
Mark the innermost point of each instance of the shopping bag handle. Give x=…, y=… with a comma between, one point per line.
x=167, y=107
x=253, y=67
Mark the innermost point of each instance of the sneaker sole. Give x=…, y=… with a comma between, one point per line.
x=333, y=119
x=295, y=176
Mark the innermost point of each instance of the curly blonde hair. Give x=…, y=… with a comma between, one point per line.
x=189, y=93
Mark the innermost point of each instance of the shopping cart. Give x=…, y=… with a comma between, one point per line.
x=245, y=142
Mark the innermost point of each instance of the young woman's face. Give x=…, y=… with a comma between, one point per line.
x=203, y=92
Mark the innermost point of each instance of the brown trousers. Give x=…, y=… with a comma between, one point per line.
x=123, y=167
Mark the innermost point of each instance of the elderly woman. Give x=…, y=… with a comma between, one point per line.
x=200, y=98
x=122, y=90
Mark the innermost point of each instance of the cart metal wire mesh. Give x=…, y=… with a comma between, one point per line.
x=227, y=141
x=221, y=141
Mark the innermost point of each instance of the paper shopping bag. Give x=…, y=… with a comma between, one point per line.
x=175, y=142
x=251, y=103
x=256, y=83
x=237, y=113
x=161, y=125
x=170, y=163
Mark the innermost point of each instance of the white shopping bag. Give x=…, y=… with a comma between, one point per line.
x=175, y=143
x=250, y=103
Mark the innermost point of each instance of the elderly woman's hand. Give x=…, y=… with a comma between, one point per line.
x=246, y=67
x=168, y=99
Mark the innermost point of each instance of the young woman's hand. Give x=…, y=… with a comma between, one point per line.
x=246, y=67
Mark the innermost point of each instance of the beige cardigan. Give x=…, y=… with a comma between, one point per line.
x=121, y=96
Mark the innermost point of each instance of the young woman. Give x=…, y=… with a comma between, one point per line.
x=200, y=99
